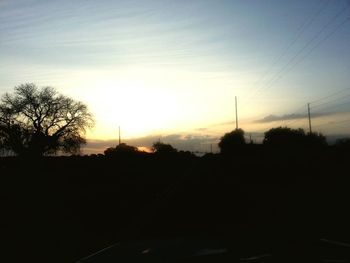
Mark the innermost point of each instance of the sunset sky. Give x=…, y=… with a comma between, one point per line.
x=172, y=69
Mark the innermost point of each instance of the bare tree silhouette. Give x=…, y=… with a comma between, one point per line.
x=37, y=121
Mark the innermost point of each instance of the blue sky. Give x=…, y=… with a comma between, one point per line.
x=174, y=67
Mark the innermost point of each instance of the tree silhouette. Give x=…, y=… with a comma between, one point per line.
x=37, y=121
x=230, y=141
x=284, y=136
x=315, y=139
x=121, y=149
x=163, y=148
x=343, y=143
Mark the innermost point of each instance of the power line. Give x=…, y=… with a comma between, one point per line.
x=320, y=42
x=291, y=121
x=287, y=67
x=333, y=123
x=334, y=106
x=331, y=95
x=331, y=101
x=300, y=31
x=290, y=64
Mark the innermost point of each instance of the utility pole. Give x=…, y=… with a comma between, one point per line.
x=119, y=135
x=308, y=111
x=236, y=113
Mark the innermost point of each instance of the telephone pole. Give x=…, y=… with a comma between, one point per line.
x=236, y=113
x=119, y=135
x=308, y=111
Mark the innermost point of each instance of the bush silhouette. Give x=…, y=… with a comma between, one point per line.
x=315, y=139
x=121, y=149
x=230, y=141
x=163, y=148
x=343, y=143
x=284, y=136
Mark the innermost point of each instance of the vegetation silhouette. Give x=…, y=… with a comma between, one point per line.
x=231, y=141
x=161, y=148
x=287, y=137
x=343, y=143
x=35, y=122
x=83, y=204
x=121, y=150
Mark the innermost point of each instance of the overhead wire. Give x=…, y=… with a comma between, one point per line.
x=321, y=105
x=335, y=106
x=301, y=109
x=295, y=61
x=299, y=33
x=331, y=95
x=333, y=123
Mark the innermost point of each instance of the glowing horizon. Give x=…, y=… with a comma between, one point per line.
x=159, y=68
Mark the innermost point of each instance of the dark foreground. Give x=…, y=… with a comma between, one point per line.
x=259, y=206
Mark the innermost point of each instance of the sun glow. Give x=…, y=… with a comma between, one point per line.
x=156, y=101
x=137, y=107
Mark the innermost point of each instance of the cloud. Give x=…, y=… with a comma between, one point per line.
x=184, y=141
x=224, y=123
x=202, y=129
x=294, y=116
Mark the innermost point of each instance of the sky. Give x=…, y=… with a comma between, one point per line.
x=171, y=69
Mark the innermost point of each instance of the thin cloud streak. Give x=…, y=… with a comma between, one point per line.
x=287, y=117
x=185, y=142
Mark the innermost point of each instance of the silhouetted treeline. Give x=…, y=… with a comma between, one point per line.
x=280, y=137
x=280, y=195
x=59, y=209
